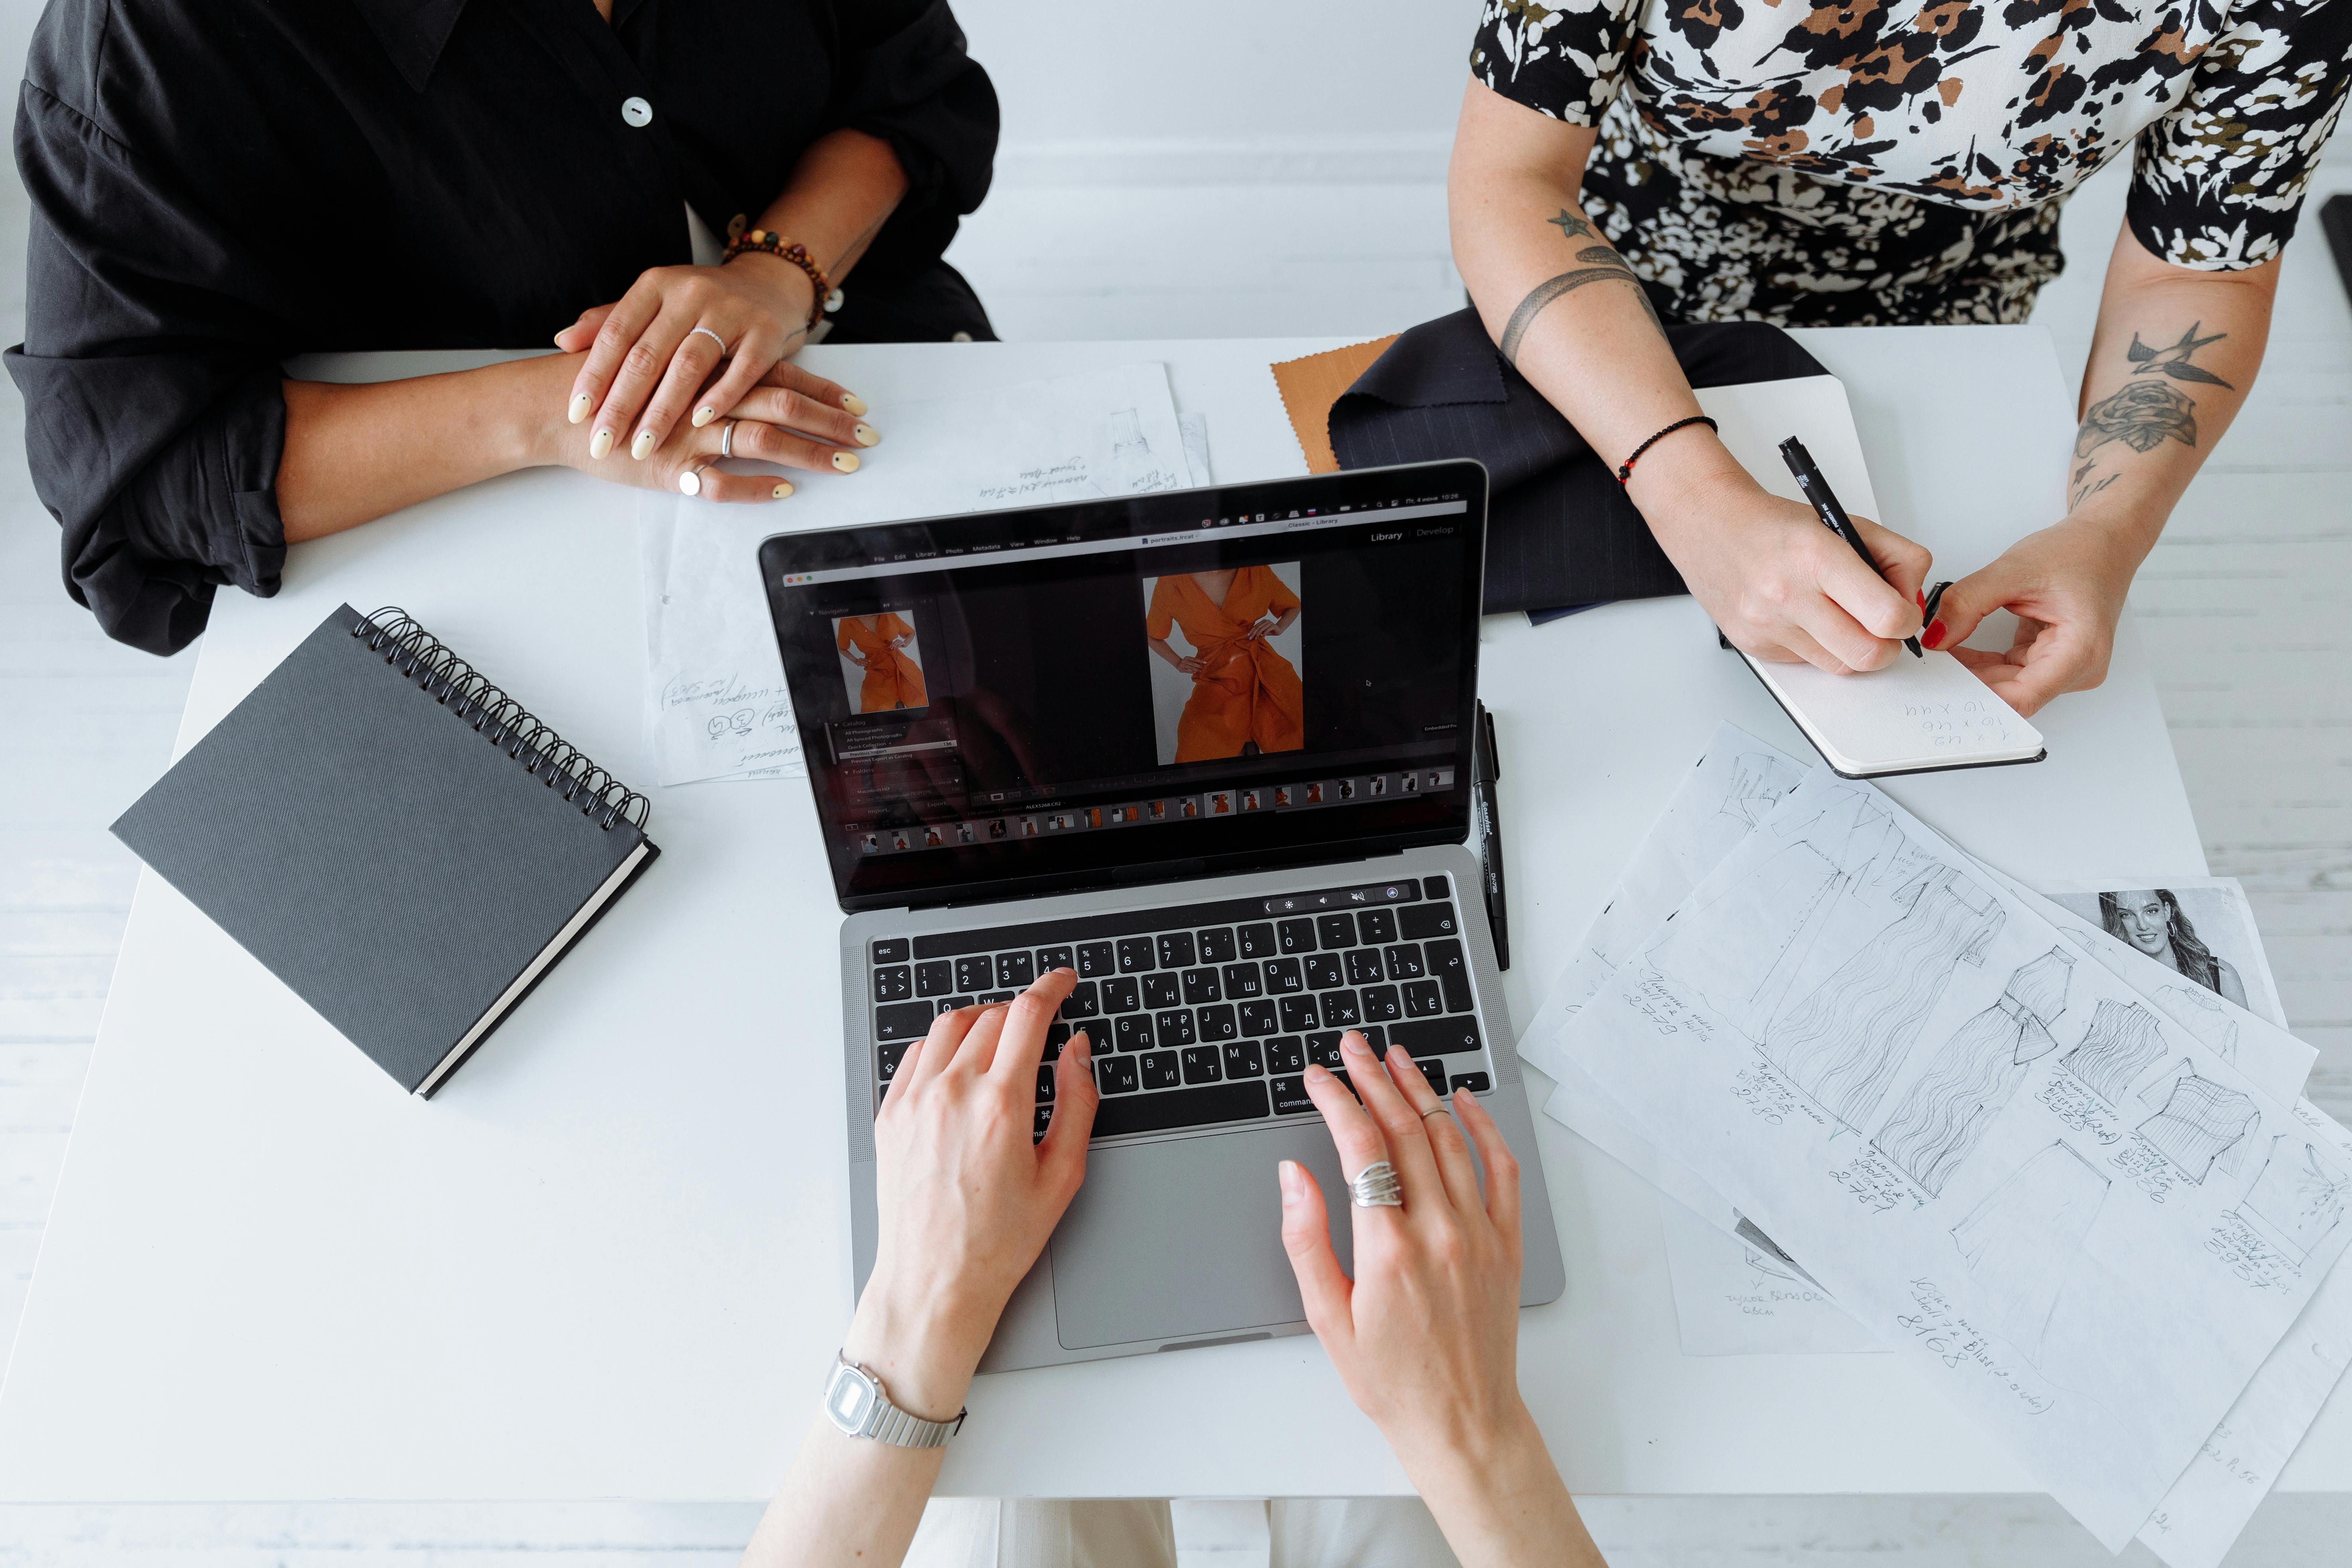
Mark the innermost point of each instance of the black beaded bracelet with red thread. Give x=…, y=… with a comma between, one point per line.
x=1626, y=469
x=782, y=249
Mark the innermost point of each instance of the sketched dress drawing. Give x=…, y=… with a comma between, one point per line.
x=2298, y=1198
x=1938, y=1122
x=1842, y=1043
x=2201, y=1121
x=2021, y=1241
x=1740, y=972
x=2122, y=1042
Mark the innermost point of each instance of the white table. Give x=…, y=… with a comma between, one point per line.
x=611, y=1259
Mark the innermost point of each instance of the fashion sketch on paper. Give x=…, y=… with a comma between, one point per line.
x=875, y=644
x=2298, y=1198
x=2122, y=1043
x=2201, y=1122
x=1247, y=697
x=2022, y=1240
x=1940, y=1118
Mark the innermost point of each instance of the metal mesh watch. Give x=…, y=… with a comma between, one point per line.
x=856, y=1402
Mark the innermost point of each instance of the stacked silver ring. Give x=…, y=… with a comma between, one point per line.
x=727, y=440
x=714, y=337
x=1376, y=1187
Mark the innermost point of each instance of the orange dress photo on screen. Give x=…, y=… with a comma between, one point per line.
x=892, y=679
x=1245, y=691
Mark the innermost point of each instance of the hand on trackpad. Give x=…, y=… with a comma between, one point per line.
x=1184, y=1239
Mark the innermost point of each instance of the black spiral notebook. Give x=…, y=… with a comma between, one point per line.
x=395, y=839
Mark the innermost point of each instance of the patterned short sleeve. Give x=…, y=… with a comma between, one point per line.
x=2219, y=179
x=1567, y=61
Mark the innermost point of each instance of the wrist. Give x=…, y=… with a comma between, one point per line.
x=922, y=1349
x=525, y=426
x=1684, y=480
x=788, y=291
x=1470, y=1456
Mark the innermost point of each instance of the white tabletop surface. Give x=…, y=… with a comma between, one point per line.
x=611, y=1259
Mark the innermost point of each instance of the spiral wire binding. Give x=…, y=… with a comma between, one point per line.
x=498, y=718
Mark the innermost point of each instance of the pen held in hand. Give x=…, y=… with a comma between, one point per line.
x=1832, y=513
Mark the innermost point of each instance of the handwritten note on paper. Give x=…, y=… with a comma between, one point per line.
x=717, y=703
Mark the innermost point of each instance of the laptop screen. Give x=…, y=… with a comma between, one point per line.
x=1140, y=687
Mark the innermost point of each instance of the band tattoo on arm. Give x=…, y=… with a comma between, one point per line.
x=2142, y=415
x=1602, y=264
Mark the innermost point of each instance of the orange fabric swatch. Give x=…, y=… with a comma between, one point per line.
x=1311, y=385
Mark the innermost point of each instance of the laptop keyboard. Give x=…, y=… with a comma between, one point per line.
x=1209, y=1012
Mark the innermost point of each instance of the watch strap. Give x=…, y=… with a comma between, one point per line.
x=884, y=1421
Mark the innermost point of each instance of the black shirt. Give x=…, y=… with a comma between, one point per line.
x=217, y=184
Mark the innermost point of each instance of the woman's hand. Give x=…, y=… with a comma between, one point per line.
x=2066, y=585
x=1191, y=667
x=1262, y=628
x=792, y=419
x=965, y=1198
x=653, y=354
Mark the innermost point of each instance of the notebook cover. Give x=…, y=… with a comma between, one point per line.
x=390, y=864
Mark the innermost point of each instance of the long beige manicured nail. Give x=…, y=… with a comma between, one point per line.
x=846, y=461
x=781, y=491
x=641, y=444
x=600, y=445
x=704, y=416
x=853, y=403
x=866, y=434
x=581, y=404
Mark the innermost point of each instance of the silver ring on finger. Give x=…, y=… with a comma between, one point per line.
x=1376, y=1187
x=714, y=337
x=690, y=482
x=727, y=439
x=1437, y=1109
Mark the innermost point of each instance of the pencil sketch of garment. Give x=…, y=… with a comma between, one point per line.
x=2298, y=1198
x=1739, y=949
x=2020, y=1242
x=1939, y=1119
x=1842, y=1043
x=2205, y=1015
x=2201, y=1121
x=1758, y=783
x=2121, y=1042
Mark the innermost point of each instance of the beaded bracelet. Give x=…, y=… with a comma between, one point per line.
x=784, y=249
x=1626, y=469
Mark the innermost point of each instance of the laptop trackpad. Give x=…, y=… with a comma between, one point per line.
x=1184, y=1239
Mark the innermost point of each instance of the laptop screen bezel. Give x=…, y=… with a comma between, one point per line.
x=1125, y=857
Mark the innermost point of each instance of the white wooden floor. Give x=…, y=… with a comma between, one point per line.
x=2244, y=596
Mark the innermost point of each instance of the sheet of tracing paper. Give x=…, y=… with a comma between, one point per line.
x=716, y=702
x=1997, y=1218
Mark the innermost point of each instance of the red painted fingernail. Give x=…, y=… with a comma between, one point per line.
x=1934, y=636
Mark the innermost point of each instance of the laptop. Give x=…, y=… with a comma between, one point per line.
x=1212, y=749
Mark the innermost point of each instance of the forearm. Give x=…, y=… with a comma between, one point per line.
x=1499, y=1499
x=843, y=190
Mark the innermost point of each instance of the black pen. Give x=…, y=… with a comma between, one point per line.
x=1488, y=772
x=1817, y=490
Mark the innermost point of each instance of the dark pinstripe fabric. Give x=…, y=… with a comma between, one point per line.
x=1561, y=529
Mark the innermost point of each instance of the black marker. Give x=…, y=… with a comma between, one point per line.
x=1488, y=770
x=1935, y=598
x=1817, y=490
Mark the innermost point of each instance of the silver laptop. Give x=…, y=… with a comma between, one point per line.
x=1212, y=749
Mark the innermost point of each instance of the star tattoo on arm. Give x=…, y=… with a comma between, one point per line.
x=1569, y=224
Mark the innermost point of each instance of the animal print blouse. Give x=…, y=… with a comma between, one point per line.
x=1904, y=160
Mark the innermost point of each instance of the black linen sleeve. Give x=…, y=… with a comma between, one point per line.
x=154, y=414
x=905, y=77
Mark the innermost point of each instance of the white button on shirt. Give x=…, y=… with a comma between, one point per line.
x=636, y=111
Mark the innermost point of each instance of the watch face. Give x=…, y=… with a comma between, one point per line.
x=849, y=1399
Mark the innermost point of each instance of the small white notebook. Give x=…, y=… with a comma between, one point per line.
x=1916, y=714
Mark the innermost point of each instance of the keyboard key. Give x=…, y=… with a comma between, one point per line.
x=989, y=998
x=1243, y=980
x=903, y=1020
x=1296, y=936
x=1176, y=951
x=1203, y=1064
x=1173, y=1028
x=936, y=978
x=1475, y=1082
x=1347, y=1085
x=1134, y=954
x=1094, y=960
x=1381, y=1004
x=1049, y=959
x=1044, y=1086
x=1436, y=1037
x=1015, y=969
x=1376, y=1038
x=1436, y=888
x=1434, y=1070
x=1217, y=1022
x=1377, y=926
x=1297, y=1015
x=1217, y=945
x=1056, y=1036
x=1323, y=971
x=1160, y=1070
x=1364, y=966
x=1428, y=920
x=1423, y=999
x=1160, y=990
x=1182, y=1108
x=1114, y=1075
x=1242, y=1060
x=1290, y=1096
x=1257, y=940
x=1282, y=975
x=1132, y=1032
x=949, y=1003
x=1044, y=1118
x=1084, y=1001
x=1452, y=972
x=1286, y=1054
x=1336, y=930
x=1124, y=995
x=890, y=950
x=887, y=1060
x=1340, y=1010
x=975, y=974
x=1257, y=1018
x=895, y=984
x=1200, y=985
x=1404, y=962
x=1323, y=1050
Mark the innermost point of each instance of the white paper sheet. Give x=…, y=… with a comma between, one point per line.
x=719, y=706
x=1736, y=1297
x=2209, y=911
x=1810, y=1034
